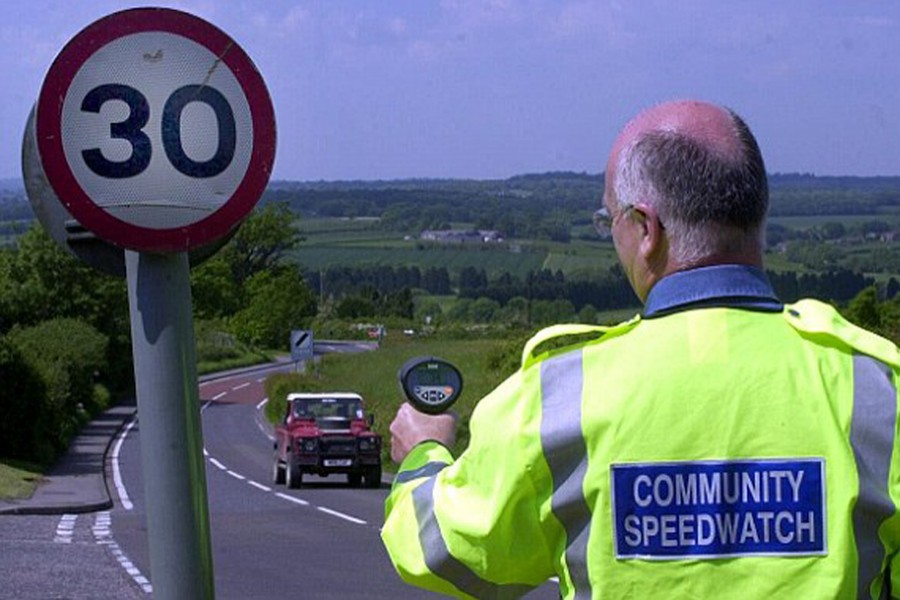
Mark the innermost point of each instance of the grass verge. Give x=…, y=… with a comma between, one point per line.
x=18, y=479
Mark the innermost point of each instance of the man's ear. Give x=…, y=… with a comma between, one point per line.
x=653, y=236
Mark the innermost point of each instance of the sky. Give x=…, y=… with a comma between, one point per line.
x=367, y=90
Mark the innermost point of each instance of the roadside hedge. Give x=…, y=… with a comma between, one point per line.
x=22, y=398
x=67, y=357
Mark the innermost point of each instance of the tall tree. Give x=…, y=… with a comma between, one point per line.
x=261, y=241
x=278, y=300
x=258, y=245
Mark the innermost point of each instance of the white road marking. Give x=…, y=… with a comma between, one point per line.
x=217, y=464
x=236, y=475
x=241, y=386
x=259, y=486
x=299, y=501
x=117, y=472
x=65, y=529
x=219, y=395
x=341, y=515
x=103, y=535
x=261, y=418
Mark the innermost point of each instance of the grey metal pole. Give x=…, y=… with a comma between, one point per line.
x=159, y=297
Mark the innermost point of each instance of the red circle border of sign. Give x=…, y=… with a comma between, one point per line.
x=49, y=130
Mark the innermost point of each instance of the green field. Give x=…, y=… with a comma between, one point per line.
x=380, y=252
x=848, y=221
x=332, y=242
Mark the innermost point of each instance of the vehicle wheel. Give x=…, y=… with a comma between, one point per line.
x=373, y=477
x=277, y=471
x=354, y=479
x=293, y=477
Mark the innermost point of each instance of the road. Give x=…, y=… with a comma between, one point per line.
x=319, y=541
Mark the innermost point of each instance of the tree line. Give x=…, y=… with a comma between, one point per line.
x=545, y=206
x=370, y=291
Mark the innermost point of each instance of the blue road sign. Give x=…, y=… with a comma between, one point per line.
x=301, y=344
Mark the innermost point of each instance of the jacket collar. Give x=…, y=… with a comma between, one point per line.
x=730, y=286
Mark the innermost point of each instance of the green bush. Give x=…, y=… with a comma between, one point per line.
x=23, y=398
x=214, y=344
x=69, y=356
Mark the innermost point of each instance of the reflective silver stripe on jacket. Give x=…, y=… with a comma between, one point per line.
x=566, y=454
x=445, y=565
x=426, y=470
x=872, y=439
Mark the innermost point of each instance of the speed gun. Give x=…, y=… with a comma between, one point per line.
x=430, y=384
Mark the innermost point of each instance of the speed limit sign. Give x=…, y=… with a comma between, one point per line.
x=155, y=130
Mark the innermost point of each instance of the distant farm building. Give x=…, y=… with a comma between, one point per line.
x=462, y=236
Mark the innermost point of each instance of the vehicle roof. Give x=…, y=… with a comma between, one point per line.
x=323, y=395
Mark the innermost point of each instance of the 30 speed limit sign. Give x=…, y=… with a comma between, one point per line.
x=155, y=130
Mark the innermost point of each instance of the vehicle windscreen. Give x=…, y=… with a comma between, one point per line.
x=329, y=413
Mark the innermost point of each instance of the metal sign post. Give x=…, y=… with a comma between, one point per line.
x=162, y=338
x=157, y=134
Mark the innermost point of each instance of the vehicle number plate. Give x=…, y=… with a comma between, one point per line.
x=338, y=462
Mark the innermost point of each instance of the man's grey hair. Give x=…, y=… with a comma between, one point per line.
x=710, y=202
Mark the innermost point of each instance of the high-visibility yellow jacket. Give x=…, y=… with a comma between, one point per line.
x=710, y=453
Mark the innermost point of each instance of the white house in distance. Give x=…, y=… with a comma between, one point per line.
x=462, y=236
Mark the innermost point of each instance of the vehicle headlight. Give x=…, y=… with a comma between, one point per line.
x=368, y=443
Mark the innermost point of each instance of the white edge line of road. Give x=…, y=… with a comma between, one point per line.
x=117, y=473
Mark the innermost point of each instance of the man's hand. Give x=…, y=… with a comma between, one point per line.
x=411, y=427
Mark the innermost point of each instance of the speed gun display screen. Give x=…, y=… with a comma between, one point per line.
x=431, y=384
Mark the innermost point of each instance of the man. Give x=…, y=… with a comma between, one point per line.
x=720, y=445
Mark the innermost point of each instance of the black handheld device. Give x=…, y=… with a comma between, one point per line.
x=431, y=384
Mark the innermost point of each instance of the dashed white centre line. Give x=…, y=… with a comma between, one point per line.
x=340, y=515
x=259, y=486
x=217, y=464
x=235, y=475
x=240, y=387
x=299, y=501
x=219, y=395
